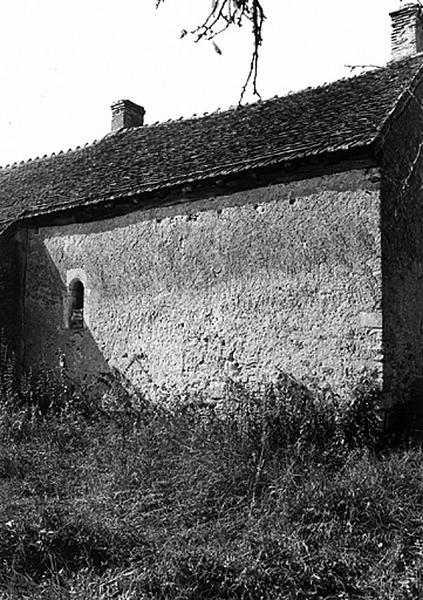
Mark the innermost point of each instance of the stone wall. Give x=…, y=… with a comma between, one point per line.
x=10, y=309
x=402, y=250
x=283, y=278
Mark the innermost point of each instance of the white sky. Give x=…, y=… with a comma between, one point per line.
x=63, y=62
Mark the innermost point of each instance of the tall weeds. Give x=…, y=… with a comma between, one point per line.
x=284, y=494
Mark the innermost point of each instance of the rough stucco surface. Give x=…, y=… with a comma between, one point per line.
x=286, y=277
x=402, y=251
x=9, y=285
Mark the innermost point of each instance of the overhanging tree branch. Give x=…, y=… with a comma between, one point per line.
x=227, y=13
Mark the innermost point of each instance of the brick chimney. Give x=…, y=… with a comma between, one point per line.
x=126, y=114
x=407, y=30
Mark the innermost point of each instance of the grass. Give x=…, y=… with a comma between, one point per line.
x=280, y=495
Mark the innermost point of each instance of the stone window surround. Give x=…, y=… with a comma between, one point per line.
x=71, y=275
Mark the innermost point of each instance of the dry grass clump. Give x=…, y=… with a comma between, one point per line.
x=285, y=494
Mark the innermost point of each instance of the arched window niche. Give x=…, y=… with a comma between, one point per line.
x=76, y=304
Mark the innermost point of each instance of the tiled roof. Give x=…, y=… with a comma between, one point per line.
x=343, y=115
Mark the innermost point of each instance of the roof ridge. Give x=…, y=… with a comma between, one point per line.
x=53, y=154
x=343, y=115
x=218, y=111
x=235, y=107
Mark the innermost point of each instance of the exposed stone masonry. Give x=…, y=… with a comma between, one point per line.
x=407, y=31
x=127, y=114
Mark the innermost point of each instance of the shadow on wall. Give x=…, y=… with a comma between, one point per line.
x=9, y=285
x=402, y=282
x=58, y=339
x=56, y=334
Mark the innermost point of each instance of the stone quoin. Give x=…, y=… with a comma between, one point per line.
x=281, y=236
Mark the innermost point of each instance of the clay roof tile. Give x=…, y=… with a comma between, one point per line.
x=343, y=115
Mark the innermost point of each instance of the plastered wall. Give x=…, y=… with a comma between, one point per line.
x=402, y=251
x=10, y=284
x=286, y=277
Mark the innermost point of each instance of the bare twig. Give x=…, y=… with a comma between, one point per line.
x=352, y=68
x=222, y=15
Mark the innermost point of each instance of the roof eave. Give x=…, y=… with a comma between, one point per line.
x=190, y=190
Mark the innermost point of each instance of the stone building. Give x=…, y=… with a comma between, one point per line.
x=285, y=235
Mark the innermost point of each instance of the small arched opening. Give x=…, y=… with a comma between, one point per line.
x=76, y=304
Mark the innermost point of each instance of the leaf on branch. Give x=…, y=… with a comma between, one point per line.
x=184, y=32
x=216, y=47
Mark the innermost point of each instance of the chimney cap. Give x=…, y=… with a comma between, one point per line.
x=126, y=102
x=406, y=7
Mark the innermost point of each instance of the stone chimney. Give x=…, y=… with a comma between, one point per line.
x=126, y=114
x=407, y=30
